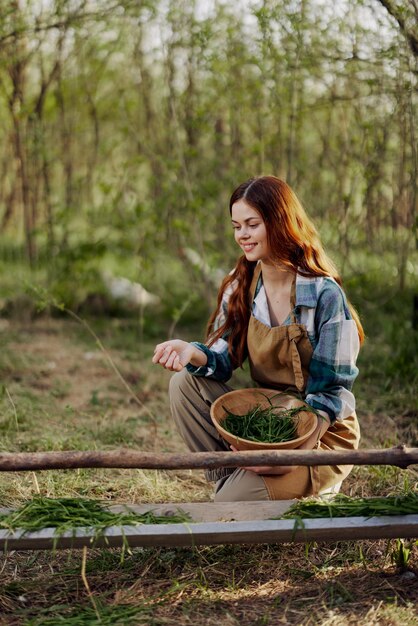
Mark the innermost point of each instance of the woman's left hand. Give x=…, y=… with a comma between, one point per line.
x=279, y=470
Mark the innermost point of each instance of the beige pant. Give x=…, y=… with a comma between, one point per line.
x=190, y=400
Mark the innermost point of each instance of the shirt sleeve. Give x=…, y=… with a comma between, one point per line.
x=219, y=365
x=333, y=369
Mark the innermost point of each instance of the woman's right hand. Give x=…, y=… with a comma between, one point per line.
x=173, y=355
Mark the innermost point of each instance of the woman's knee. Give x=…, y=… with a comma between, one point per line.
x=178, y=383
x=241, y=486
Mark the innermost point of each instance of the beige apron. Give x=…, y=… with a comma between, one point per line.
x=279, y=358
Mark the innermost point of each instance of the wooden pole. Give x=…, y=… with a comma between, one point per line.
x=400, y=456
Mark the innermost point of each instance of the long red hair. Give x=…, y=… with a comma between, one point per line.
x=294, y=243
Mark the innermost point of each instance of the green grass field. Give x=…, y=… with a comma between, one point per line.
x=60, y=391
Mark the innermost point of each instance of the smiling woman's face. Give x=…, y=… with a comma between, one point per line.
x=250, y=231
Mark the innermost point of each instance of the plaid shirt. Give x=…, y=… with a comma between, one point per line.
x=321, y=307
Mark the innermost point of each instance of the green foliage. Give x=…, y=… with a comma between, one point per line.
x=280, y=88
x=403, y=364
x=401, y=553
x=76, y=273
x=388, y=361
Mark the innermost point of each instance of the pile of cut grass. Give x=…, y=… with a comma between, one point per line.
x=67, y=514
x=346, y=506
x=266, y=425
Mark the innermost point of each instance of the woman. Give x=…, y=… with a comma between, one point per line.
x=284, y=309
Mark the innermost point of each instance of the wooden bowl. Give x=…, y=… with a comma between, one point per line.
x=242, y=400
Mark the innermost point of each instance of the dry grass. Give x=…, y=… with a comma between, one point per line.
x=61, y=393
x=334, y=584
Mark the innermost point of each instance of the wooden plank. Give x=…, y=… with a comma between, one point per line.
x=213, y=511
x=206, y=511
x=214, y=533
x=400, y=456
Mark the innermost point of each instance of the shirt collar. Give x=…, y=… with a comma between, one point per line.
x=307, y=290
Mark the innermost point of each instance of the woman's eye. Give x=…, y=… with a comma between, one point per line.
x=249, y=225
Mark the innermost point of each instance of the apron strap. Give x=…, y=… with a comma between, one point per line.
x=254, y=282
x=295, y=334
x=293, y=301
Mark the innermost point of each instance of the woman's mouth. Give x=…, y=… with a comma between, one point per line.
x=247, y=247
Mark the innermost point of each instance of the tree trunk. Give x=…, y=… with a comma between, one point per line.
x=19, y=143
